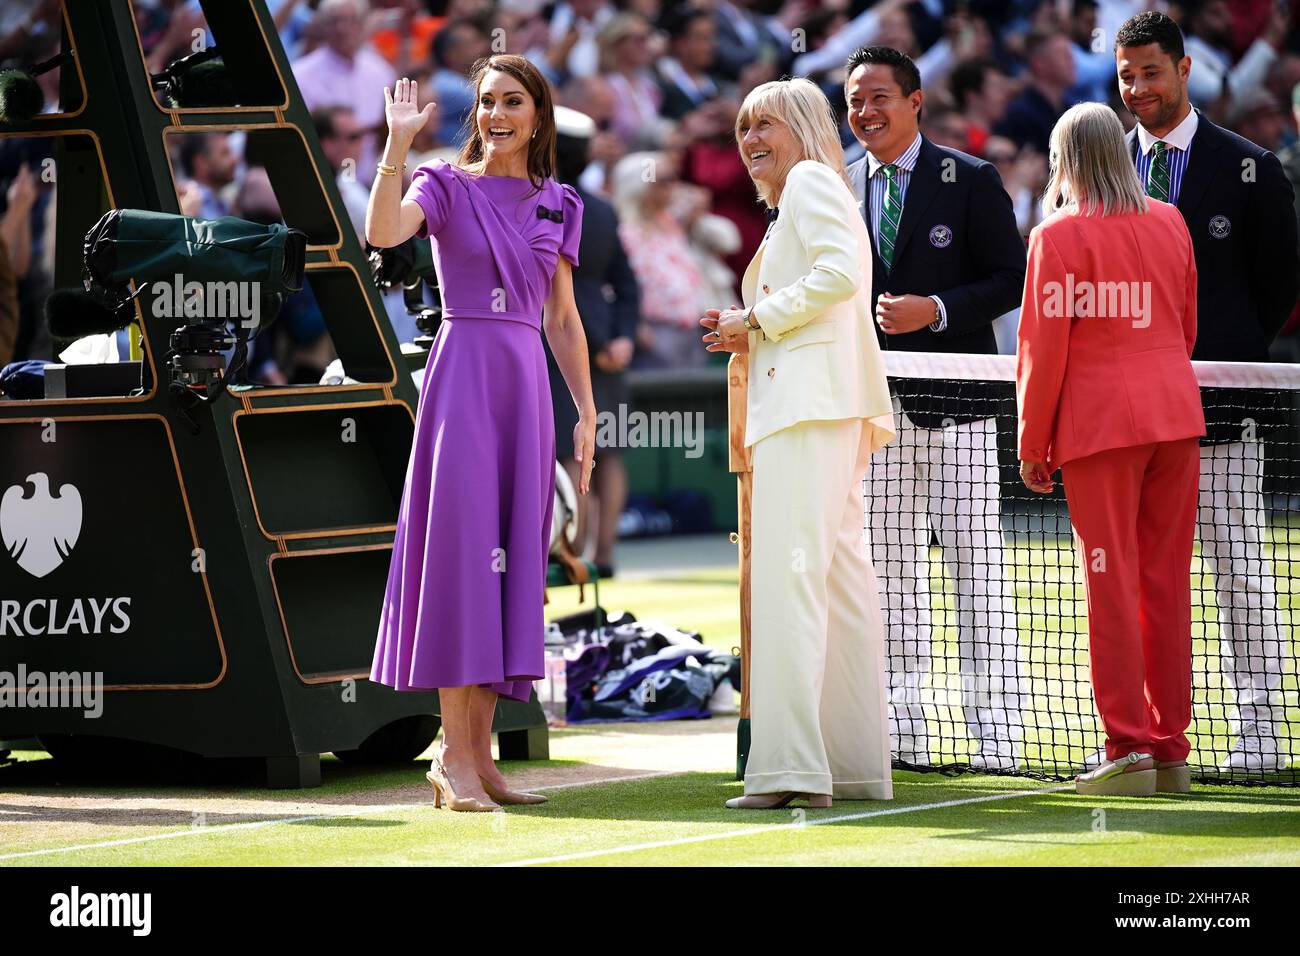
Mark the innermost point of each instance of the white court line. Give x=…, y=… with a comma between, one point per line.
x=348, y=812
x=682, y=841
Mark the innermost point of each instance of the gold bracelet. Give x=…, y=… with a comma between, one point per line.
x=386, y=169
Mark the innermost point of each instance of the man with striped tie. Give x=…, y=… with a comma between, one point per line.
x=1238, y=206
x=948, y=260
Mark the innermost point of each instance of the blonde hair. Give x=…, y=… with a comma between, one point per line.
x=608, y=37
x=803, y=107
x=629, y=181
x=1091, y=170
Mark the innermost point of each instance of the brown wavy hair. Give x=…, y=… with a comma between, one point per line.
x=541, y=148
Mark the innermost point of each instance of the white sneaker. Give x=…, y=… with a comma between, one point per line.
x=989, y=761
x=1094, y=760
x=1243, y=759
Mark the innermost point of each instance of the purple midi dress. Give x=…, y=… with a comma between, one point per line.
x=464, y=600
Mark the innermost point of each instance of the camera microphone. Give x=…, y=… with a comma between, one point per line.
x=74, y=314
x=21, y=97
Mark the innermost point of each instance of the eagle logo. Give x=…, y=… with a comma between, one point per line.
x=40, y=531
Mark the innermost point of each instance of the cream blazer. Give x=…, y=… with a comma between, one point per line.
x=817, y=357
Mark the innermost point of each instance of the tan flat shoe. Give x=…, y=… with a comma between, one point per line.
x=510, y=797
x=775, y=801
x=1173, y=776
x=1114, y=778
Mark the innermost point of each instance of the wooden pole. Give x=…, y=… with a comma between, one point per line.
x=740, y=461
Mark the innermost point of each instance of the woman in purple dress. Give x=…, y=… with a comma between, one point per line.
x=463, y=607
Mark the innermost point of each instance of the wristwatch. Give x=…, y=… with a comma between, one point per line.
x=749, y=324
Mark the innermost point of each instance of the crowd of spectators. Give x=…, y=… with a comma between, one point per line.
x=662, y=81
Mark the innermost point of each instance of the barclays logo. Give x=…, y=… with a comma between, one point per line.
x=39, y=531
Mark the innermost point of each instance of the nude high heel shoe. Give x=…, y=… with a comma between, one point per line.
x=775, y=801
x=441, y=783
x=510, y=797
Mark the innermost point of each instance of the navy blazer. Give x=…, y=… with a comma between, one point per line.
x=958, y=239
x=1239, y=208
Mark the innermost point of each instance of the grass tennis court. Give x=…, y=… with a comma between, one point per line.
x=648, y=794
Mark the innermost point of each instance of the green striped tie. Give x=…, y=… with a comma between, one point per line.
x=1158, y=180
x=890, y=213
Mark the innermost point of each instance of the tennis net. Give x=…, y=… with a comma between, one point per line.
x=983, y=597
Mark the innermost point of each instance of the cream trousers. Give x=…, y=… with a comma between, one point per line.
x=818, y=718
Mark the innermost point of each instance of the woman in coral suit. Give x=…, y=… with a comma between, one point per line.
x=1107, y=394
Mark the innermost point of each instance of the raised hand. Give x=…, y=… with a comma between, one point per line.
x=405, y=118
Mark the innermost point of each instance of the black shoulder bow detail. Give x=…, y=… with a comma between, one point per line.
x=552, y=214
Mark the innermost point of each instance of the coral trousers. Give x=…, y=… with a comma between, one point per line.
x=1134, y=516
x=818, y=719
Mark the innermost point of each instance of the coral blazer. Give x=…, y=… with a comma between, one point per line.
x=1107, y=325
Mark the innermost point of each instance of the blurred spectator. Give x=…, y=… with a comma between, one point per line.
x=626, y=55
x=1094, y=60
x=167, y=29
x=981, y=91
x=9, y=316
x=1290, y=157
x=455, y=50
x=340, y=140
x=668, y=272
x=1023, y=171
x=346, y=72
x=1207, y=32
x=1031, y=115
x=295, y=348
x=745, y=35
x=292, y=19
x=712, y=238
x=15, y=256
x=23, y=20
x=608, y=299
x=594, y=96
x=402, y=32
x=1259, y=117
x=685, y=75
x=16, y=223
x=572, y=49
x=946, y=126
x=210, y=163
x=866, y=29
x=709, y=158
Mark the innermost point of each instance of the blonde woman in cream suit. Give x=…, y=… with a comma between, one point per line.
x=817, y=407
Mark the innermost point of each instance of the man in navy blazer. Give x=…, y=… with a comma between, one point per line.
x=1239, y=209
x=948, y=260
